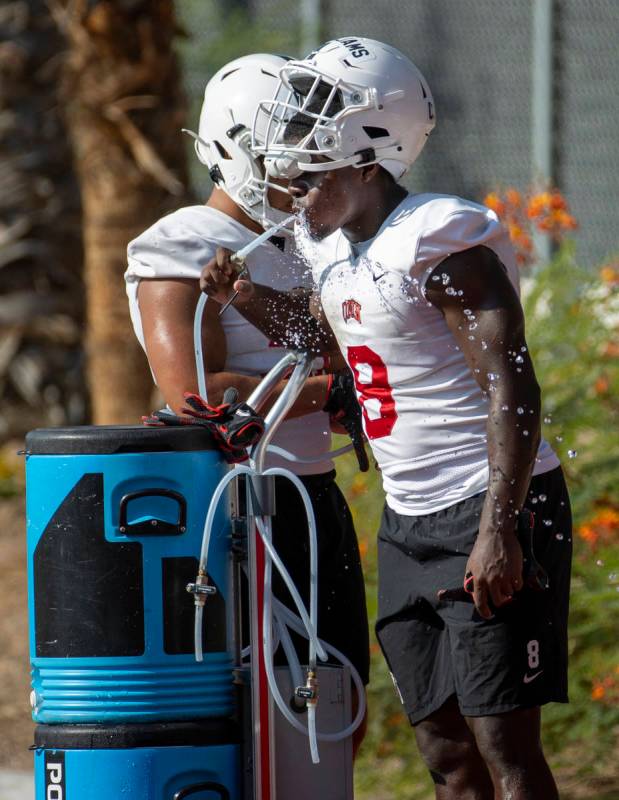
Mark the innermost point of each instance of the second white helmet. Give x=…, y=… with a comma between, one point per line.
x=224, y=136
x=355, y=100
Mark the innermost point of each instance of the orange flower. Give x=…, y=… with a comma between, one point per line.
x=557, y=201
x=602, y=385
x=538, y=204
x=602, y=528
x=515, y=231
x=598, y=691
x=546, y=211
x=589, y=535
x=494, y=202
x=610, y=274
x=513, y=197
x=563, y=220
x=606, y=689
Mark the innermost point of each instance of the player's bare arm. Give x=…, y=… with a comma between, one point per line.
x=282, y=316
x=167, y=311
x=488, y=325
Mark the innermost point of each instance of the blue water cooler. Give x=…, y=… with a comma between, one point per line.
x=115, y=517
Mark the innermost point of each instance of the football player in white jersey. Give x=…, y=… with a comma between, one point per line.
x=421, y=293
x=164, y=265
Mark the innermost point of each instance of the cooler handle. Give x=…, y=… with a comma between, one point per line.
x=203, y=787
x=153, y=526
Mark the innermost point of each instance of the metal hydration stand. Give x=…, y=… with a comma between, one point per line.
x=260, y=505
x=260, y=490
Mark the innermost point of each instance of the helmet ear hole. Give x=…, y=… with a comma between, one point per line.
x=375, y=133
x=222, y=151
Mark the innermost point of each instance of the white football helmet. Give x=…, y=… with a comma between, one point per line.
x=225, y=132
x=355, y=100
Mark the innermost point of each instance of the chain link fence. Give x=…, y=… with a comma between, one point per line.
x=478, y=57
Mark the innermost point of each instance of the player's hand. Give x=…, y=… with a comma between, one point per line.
x=343, y=409
x=494, y=571
x=221, y=277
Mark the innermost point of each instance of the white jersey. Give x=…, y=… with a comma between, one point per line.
x=424, y=413
x=178, y=246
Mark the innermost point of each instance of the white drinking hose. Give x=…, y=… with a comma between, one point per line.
x=310, y=625
x=313, y=535
x=284, y=615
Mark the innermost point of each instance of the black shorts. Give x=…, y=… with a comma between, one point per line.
x=342, y=613
x=435, y=649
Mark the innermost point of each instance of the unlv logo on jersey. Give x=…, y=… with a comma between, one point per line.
x=351, y=309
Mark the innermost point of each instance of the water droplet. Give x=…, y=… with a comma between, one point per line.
x=599, y=563
x=467, y=311
x=519, y=360
x=572, y=453
x=484, y=346
x=472, y=326
x=559, y=438
x=520, y=410
x=547, y=522
x=504, y=408
x=471, y=338
x=460, y=292
x=525, y=433
x=523, y=349
x=493, y=376
x=559, y=536
x=435, y=278
x=543, y=498
x=534, y=499
x=450, y=290
x=548, y=419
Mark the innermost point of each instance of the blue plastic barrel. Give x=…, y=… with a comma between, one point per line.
x=114, y=526
x=174, y=761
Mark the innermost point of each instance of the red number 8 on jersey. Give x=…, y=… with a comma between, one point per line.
x=376, y=389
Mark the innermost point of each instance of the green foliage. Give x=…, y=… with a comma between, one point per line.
x=571, y=314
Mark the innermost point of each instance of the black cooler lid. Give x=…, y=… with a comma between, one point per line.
x=108, y=439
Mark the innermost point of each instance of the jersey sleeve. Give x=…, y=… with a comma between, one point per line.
x=451, y=227
x=168, y=249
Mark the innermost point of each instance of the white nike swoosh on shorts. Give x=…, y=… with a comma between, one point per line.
x=529, y=678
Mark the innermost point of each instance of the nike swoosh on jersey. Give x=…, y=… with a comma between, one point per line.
x=376, y=278
x=529, y=678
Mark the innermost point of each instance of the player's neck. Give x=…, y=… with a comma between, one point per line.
x=220, y=201
x=377, y=205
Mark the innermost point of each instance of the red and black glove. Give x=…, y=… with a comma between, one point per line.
x=343, y=407
x=234, y=426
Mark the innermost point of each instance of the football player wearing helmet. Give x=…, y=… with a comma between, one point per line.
x=421, y=293
x=164, y=265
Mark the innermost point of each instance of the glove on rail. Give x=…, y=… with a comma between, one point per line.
x=235, y=426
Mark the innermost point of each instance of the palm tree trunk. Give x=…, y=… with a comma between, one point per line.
x=125, y=109
x=41, y=292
